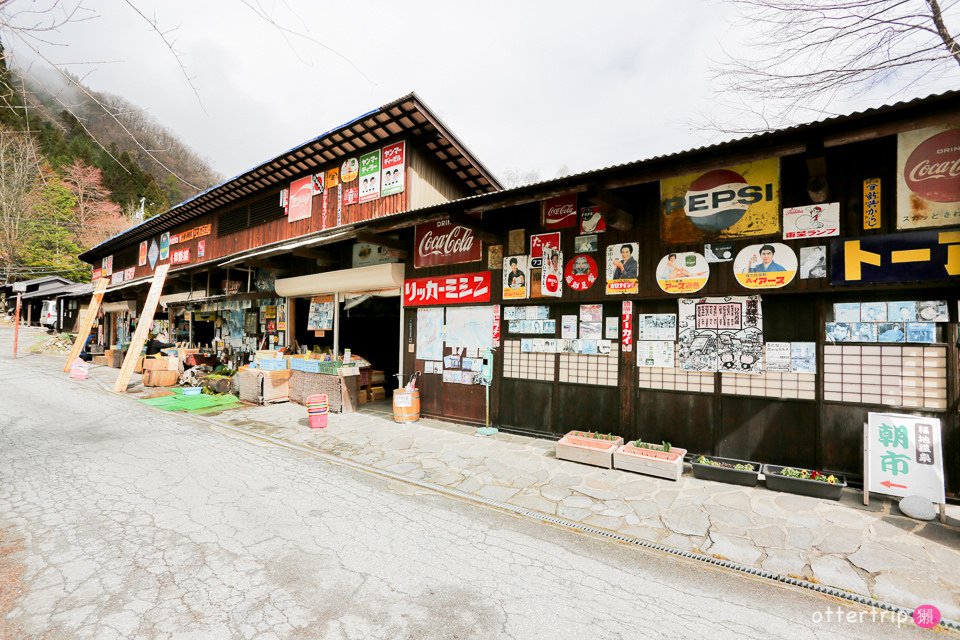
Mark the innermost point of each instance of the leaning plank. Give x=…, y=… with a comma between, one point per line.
x=143, y=328
x=86, y=323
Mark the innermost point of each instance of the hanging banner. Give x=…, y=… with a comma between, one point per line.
x=928, y=177
x=683, y=272
x=767, y=266
x=581, y=272
x=916, y=256
x=721, y=334
x=514, y=277
x=904, y=456
x=459, y=289
x=392, y=173
x=626, y=326
x=622, y=268
x=559, y=212
x=370, y=176
x=496, y=325
x=871, y=204
x=738, y=201
x=811, y=221
x=442, y=242
x=551, y=274
x=349, y=170
x=142, y=257
x=164, y=246
x=300, y=200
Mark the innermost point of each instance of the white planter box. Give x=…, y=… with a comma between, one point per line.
x=633, y=459
x=597, y=455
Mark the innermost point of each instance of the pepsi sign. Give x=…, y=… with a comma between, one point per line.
x=731, y=202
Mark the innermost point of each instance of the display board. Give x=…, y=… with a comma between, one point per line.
x=470, y=327
x=430, y=333
x=903, y=457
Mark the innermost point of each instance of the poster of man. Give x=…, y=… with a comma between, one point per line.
x=622, y=268
x=767, y=266
x=515, y=277
x=551, y=275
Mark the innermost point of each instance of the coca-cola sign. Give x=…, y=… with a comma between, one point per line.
x=443, y=242
x=560, y=212
x=928, y=163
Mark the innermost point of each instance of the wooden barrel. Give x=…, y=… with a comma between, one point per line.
x=406, y=405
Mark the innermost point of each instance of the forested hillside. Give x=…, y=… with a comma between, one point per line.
x=71, y=176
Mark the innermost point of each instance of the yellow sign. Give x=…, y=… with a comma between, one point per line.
x=196, y=232
x=333, y=178
x=871, y=203
x=767, y=266
x=737, y=201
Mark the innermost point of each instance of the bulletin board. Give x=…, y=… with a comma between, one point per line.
x=470, y=327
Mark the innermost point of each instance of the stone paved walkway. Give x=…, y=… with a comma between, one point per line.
x=872, y=551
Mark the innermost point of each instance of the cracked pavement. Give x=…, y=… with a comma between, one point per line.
x=136, y=523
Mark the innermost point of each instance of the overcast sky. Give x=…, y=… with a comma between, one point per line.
x=544, y=87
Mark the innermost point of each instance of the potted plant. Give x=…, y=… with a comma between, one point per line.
x=589, y=447
x=729, y=470
x=805, y=482
x=660, y=460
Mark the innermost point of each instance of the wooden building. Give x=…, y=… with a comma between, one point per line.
x=761, y=249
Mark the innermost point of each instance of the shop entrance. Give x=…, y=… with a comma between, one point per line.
x=370, y=328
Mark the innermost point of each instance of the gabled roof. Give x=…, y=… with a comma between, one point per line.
x=406, y=117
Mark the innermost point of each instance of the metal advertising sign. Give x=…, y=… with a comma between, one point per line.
x=766, y=266
x=626, y=326
x=107, y=265
x=442, y=242
x=393, y=170
x=928, y=177
x=559, y=212
x=349, y=170
x=871, y=204
x=811, y=221
x=442, y=290
x=903, y=456
x=738, y=201
x=622, y=268
x=515, y=277
x=153, y=255
x=196, y=232
x=370, y=176
x=142, y=257
x=164, y=246
x=300, y=200
x=180, y=256
x=914, y=256
x=581, y=272
x=683, y=272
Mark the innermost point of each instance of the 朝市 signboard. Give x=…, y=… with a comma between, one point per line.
x=442, y=242
x=903, y=456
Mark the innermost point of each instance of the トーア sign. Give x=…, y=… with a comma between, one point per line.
x=442, y=242
x=928, y=177
x=903, y=456
x=914, y=256
x=459, y=289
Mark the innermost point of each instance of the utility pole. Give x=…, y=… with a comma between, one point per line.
x=16, y=327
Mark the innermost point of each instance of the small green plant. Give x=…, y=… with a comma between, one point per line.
x=596, y=435
x=726, y=465
x=804, y=474
x=666, y=447
x=743, y=467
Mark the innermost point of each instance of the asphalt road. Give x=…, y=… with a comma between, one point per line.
x=117, y=521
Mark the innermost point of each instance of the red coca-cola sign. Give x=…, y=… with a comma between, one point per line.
x=932, y=170
x=560, y=212
x=443, y=242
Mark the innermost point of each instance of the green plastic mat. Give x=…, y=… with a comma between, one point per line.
x=192, y=404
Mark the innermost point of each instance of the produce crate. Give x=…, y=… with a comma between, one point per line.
x=315, y=366
x=272, y=364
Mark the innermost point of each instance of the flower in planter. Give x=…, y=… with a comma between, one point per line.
x=805, y=474
x=726, y=465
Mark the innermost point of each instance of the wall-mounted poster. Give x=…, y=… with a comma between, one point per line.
x=370, y=176
x=349, y=170
x=718, y=252
x=514, y=277
x=142, y=256
x=300, y=200
x=846, y=311
x=626, y=326
x=392, y=173
x=153, y=254
x=591, y=313
x=933, y=311
x=873, y=311
x=839, y=332
x=611, y=328
x=682, y=272
x=430, y=334
x=591, y=330
x=516, y=241
x=495, y=257
x=803, y=357
x=591, y=220
x=777, y=357
x=902, y=311
x=470, y=327
x=871, y=203
x=891, y=332
x=925, y=332
x=332, y=179
x=766, y=266
x=811, y=221
x=107, y=265
x=541, y=241
x=201, y=248
x=551, y=273
x=813, y=262
x=928, y=183
x=585, y=244
x=559, y=212
x=721, y=334
x=863, y=331
x=568, y=327
x=655, y=353
x=164, y=246
x=622, y=269
x=738, y=201
x=581, y=272
x=657, y=326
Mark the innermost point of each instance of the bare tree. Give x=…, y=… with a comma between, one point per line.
x=96, y=218
x=514, y=177
x=813, y=52
x=19, y=169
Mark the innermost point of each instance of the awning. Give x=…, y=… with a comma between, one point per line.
x=186, y=296
x=375, y=278
x=124, y=306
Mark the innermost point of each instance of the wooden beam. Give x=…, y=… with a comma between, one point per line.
x=500, y=203
x=86, y=323
x=144, y=324
x=616, y=210
x=373, y=238
x=321, y=257
x=474, y=225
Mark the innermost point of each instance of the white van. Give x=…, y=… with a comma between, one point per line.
x=48, y=315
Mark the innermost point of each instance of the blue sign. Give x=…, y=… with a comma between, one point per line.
x=914, y=256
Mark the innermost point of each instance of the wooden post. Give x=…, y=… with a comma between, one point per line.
x=143, y=329
x=86, y=323
x=16, y=328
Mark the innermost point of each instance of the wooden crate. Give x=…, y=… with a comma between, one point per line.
x=598, y=454
x=159, y=378
x=303, y=384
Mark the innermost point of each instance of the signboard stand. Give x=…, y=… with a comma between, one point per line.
x=911, y=462
x=86, y=323
x=143, y=328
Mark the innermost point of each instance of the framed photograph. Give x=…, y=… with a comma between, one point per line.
x=585, y=244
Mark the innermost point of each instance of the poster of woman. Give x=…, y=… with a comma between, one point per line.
x=682, y=272
x=515, y=277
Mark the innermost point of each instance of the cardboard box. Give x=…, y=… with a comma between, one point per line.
x=101, y=360
x=159, y=378
x=378, y=393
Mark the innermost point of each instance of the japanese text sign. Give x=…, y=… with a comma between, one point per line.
x=180, y=256
x=903, y=456
x=811, y=221
x=913, y=256
x=465, y=288
x=560, y=212
x=626, y=325
x=871, y=203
